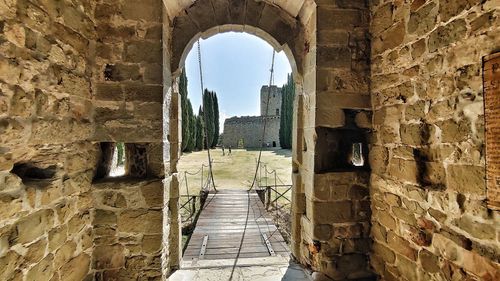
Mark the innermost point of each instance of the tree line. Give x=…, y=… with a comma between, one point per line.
x=286, y=116
x=193, y=126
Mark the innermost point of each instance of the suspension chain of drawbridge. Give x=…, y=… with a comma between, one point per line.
x=205, y=119
x=271, y=78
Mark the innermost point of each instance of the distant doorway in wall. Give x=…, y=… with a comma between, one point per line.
x=241, y=143
x=274, y=144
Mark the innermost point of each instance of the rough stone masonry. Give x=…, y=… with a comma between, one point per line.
x=246, y=131
x=401, y=79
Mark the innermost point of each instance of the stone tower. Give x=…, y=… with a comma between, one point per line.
x=274, y=100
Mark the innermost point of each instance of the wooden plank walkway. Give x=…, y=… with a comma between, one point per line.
x=223, y=223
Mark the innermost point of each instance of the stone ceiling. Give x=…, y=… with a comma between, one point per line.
x=293, y=7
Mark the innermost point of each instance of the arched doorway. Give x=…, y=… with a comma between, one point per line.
x=283, y=29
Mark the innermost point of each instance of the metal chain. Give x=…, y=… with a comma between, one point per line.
x=271, y=78
x=205, y=118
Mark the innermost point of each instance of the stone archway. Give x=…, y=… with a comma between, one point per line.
x=293, y=33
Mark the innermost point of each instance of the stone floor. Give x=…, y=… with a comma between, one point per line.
x=251, y=269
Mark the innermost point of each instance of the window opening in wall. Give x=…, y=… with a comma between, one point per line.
x=118, y=161
x=32, y=172
x=277, y=111
x=357, y=155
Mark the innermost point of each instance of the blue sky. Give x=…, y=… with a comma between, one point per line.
x=235, y=65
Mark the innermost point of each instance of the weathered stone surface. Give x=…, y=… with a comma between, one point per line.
x=34, y=226
x=76, y=269
x=466, y=179
x=423, y=20
x=148, y=10
x=140, y=221
x=41, y=271
x=445, y=35
x=108, y=257
x=390, y=38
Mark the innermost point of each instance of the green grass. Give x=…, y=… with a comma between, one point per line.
x=235, y=171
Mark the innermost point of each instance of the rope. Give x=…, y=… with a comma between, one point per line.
x=205, y=117
x=265, y=120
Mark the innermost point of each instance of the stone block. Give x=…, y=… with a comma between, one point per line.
x=466, y=179
x=334, y=57
x=147, y=10
x=332, y=212
x=390, y=38
x=384, y=252
x=401, y=246
x=199, y=15
x=382, y=18
x=475, y=228
x=36, y=251
x=423, y=20
x=253, y=12
x=333, y=37
x=483, y=22
x=153, y=194
x=403, y=170
x=378, y=232
x=41, y=271
x=140, y=221
x=123, y=72
x=143, y=52
x=452, y=131
x=329, y=117
x=108, y=256
x=143, y=92
x=451, y=8
x=9, y=264
x=64, y=254
x=222, y=13
x=76, y=269
x=445, y=35
x=429, y=261
x=109, y=33
x=34, y=226
x=104, y=217
x=348, y=19
x=322, y=232
x=392, y=199
x=151, y=244
x=385, y=219
x=404, y=215
x=153, y=73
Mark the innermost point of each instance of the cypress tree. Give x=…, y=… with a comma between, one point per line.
x=209, y=122
x=216, y=119
x=286, y=116
x=184, y=109
x=199, y=130
x=191, y=142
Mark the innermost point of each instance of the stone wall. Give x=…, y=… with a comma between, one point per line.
x=274, y=98
x=336, y=221
x=430, y=218
x=128, y=71
x=46, y=161
x=248, y=130
x=128, y=104
x=127, y=229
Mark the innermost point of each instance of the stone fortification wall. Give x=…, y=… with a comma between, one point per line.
x=274, y=107
x=430, y=216
x=46, y=160
x=249, y=130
